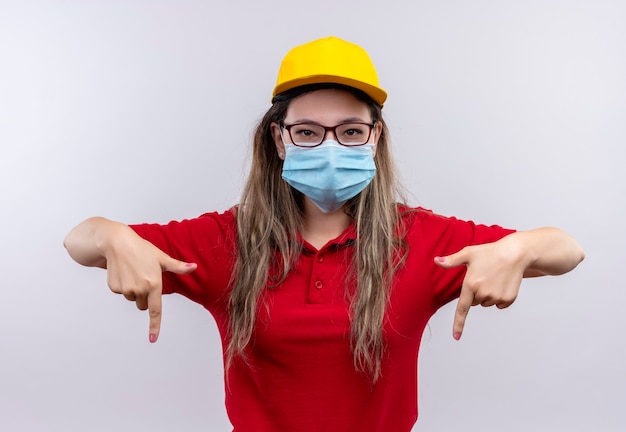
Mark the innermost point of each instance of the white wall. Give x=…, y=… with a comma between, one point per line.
x=502, y=112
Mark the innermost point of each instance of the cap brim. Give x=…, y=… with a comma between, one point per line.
x=376, y=93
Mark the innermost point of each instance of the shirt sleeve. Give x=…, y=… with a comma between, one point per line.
x=209, y=241
x=437, y=235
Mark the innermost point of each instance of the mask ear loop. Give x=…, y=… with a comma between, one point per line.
x=373, y=132
x=281, y=154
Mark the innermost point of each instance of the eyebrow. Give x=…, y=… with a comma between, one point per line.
x=344, y=121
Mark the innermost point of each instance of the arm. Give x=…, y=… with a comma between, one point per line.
x=134, y=266
x=549, y=251
x=89, y=242
x=495, y=270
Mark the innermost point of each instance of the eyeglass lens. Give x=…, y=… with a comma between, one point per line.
x=308, y=134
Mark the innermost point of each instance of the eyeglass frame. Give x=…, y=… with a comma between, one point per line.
x=326, y=130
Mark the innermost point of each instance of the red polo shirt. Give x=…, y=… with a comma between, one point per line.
x=301, y=375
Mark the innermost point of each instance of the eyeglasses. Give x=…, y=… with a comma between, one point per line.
x=312, y=135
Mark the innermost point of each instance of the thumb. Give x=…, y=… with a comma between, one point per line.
x=453, y=260
x=176, y=266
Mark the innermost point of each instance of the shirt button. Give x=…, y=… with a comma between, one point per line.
x=320, y=259
x=318, y=284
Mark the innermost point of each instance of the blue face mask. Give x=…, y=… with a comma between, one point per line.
x=329, y=174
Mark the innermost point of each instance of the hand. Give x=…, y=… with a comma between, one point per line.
x=135, y=269
x=494, y=274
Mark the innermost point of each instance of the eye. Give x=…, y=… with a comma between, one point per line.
x=306, y=132
x=353, y=133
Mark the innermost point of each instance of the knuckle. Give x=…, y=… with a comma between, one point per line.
x=131, y=290
x=487, y=296
x=114, y=286
x=462, y=310
x=510, y=299
x=138, y=289
x=149, y=283
x=505, y=303
x=474, y=284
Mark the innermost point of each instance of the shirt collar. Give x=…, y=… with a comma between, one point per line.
x=347, y=237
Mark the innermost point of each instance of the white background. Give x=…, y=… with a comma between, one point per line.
x=508, y=112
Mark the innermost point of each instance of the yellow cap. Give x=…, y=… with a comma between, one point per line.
x=329, y=60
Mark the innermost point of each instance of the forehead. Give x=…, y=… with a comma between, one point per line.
x=327, y=106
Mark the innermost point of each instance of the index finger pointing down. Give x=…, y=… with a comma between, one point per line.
x=466, y=300
x=154, y=311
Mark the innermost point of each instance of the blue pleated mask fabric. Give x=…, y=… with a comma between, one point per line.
x=329, y=174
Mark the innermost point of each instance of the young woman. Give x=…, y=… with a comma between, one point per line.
x=320, y=282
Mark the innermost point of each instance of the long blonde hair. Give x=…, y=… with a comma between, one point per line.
x=270, y=216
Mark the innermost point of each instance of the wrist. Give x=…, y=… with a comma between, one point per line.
x=108, y=236
x=520, y=247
